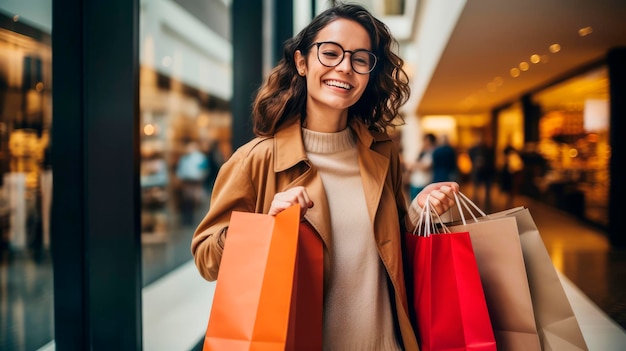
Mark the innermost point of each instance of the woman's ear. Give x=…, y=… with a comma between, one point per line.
x=300, y=62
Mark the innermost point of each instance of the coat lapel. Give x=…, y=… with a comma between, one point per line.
x=289, y=141
x=374, y=168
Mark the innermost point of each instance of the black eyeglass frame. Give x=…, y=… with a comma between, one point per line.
x=352, y=52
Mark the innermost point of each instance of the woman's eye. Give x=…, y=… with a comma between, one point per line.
x=330, y=54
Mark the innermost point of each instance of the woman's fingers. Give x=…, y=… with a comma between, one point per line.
x=290, y=197
x=440, y=201
x=441, y=196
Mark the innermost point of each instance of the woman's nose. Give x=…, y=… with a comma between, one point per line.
x=345, y=65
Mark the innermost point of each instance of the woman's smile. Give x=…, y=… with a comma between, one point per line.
x=338, y=84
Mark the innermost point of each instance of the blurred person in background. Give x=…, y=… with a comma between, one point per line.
x=483, y=170
x=421, y=171
x=191, y=171
x=321, y=119
x=511, y=174
x=445, y=167
x=215, y=159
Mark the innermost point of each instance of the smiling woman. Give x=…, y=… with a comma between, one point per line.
x=321, y=121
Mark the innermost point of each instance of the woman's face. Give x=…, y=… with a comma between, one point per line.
x=334, y=89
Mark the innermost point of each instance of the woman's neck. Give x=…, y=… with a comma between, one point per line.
x=327, y=120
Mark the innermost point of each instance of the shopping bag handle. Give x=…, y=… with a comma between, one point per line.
x=420, y=226
x=426, y=224
x=464, y=200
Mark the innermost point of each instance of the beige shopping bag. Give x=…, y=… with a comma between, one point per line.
x=556, y=322
x=498, y=251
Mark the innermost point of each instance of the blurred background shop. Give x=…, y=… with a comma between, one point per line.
x=135, y=105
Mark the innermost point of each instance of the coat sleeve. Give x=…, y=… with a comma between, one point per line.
x=233, y=191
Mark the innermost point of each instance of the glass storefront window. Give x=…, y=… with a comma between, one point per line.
x=185, y=139
x=26, y=298
x=510, y=132
x=185, y=126
x=574, y=131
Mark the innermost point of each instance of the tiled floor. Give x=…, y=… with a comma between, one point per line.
x=593, y=273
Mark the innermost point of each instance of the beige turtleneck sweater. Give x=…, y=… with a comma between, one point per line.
x=357, y=309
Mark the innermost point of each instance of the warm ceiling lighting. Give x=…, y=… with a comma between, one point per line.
x=498, y=81
x=515, y=72
x=583, y=32
x=524, y=66
x=535, y=58
x=554, y=48
x=149, y=129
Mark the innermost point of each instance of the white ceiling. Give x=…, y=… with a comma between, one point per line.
x=493, y=36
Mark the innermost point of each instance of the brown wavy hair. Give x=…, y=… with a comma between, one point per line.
x=283, y=95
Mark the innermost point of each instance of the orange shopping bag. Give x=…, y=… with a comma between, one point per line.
x=268, y=294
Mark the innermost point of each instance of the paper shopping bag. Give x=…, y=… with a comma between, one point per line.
x=268, y=268
x=556, y=322
x=447, y=299
x=305, y=318
x=502, y=270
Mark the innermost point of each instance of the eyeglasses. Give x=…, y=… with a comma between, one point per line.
x=331, y=54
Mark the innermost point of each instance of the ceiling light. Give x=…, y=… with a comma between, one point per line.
x=583, y=32
x=554, y=48
x=523, y=66
x=515, y=72
x=535, y=58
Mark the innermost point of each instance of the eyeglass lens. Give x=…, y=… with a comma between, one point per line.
x=331, y=54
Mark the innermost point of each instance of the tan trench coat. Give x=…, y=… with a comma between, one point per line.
x=266, y=166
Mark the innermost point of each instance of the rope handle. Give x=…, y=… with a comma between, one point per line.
x=426, y=224
x=464, y=200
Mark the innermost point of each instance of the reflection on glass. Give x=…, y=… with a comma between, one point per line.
x=185, y=139
x=185, y=136
x=26, y=289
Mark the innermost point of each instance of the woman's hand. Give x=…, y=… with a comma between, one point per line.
x=441, y=196
x=286, y=199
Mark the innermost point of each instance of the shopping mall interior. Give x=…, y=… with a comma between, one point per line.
x=541, y=77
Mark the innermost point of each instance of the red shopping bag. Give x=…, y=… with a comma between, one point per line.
x=268, y=294
x=449, y=308
x=305, y=317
